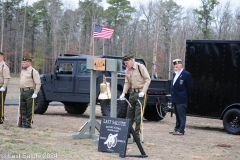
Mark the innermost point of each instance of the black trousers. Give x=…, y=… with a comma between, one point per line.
x=180, y=112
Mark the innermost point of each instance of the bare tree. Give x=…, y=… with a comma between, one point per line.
x=223, y=21
x=147, y=31
x=171, y=14
x=235, y=31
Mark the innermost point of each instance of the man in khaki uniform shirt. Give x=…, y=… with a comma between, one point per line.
x=4, y=79
x=137, y=78
x=30, y=84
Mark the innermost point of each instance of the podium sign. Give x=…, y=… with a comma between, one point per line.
x=113, y=135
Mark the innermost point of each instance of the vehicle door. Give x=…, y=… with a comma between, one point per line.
x=83, y=75
x=64, y=81
x=82, y=82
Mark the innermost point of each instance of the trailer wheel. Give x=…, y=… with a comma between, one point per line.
x=121, y=107
x=41, y=105
x=231, y=121
x=75, y=108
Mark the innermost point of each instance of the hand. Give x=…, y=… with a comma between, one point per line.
x=2, y=89
x=34, y=95
x=122, y=97
x=141, y=94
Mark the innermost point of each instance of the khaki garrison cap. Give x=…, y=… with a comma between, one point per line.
x=128, y=57
x=1, y=54
x=177, y=61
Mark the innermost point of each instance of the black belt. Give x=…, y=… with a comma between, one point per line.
x=26, y=89
x=137, y=90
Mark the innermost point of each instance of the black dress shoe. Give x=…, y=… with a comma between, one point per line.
x=26, y=126
x=178, y=133
x=1, y=122
x=172, y=132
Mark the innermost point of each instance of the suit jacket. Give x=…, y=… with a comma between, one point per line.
x=182, y=88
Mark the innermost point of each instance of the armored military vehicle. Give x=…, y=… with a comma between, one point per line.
x=70, y=85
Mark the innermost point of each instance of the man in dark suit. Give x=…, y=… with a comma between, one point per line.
x=181, y=88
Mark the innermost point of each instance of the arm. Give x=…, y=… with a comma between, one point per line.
x=127, y=84
x=146, y=77
x=6, y=76
x=37, y=81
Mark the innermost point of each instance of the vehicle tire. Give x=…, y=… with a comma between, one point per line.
x=75, y=108
x=231, y=121
x=41, y=105
x=151, y=113
x=121, y=107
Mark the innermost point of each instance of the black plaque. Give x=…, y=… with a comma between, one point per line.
x=113, y=135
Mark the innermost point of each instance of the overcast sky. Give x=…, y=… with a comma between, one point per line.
x=184, y=3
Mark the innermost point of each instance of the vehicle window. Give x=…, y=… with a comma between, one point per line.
x=65, y=68
x=82, y=70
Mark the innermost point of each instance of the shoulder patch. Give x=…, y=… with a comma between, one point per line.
x=6, y=64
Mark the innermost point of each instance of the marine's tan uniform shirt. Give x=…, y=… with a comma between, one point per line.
x=134, y=79
x=4, y=74
x=30, y=78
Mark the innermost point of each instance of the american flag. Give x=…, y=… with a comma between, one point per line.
x=102, y=32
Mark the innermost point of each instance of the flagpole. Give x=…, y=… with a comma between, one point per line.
x=103, y=46
x=93, y=27
x=93, y=41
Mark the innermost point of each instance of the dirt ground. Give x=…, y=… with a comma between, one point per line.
x=51, y=138
x=13, y=89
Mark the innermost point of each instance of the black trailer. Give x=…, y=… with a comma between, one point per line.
x=215, y=69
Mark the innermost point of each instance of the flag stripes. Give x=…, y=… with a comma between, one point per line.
x=102, y=32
